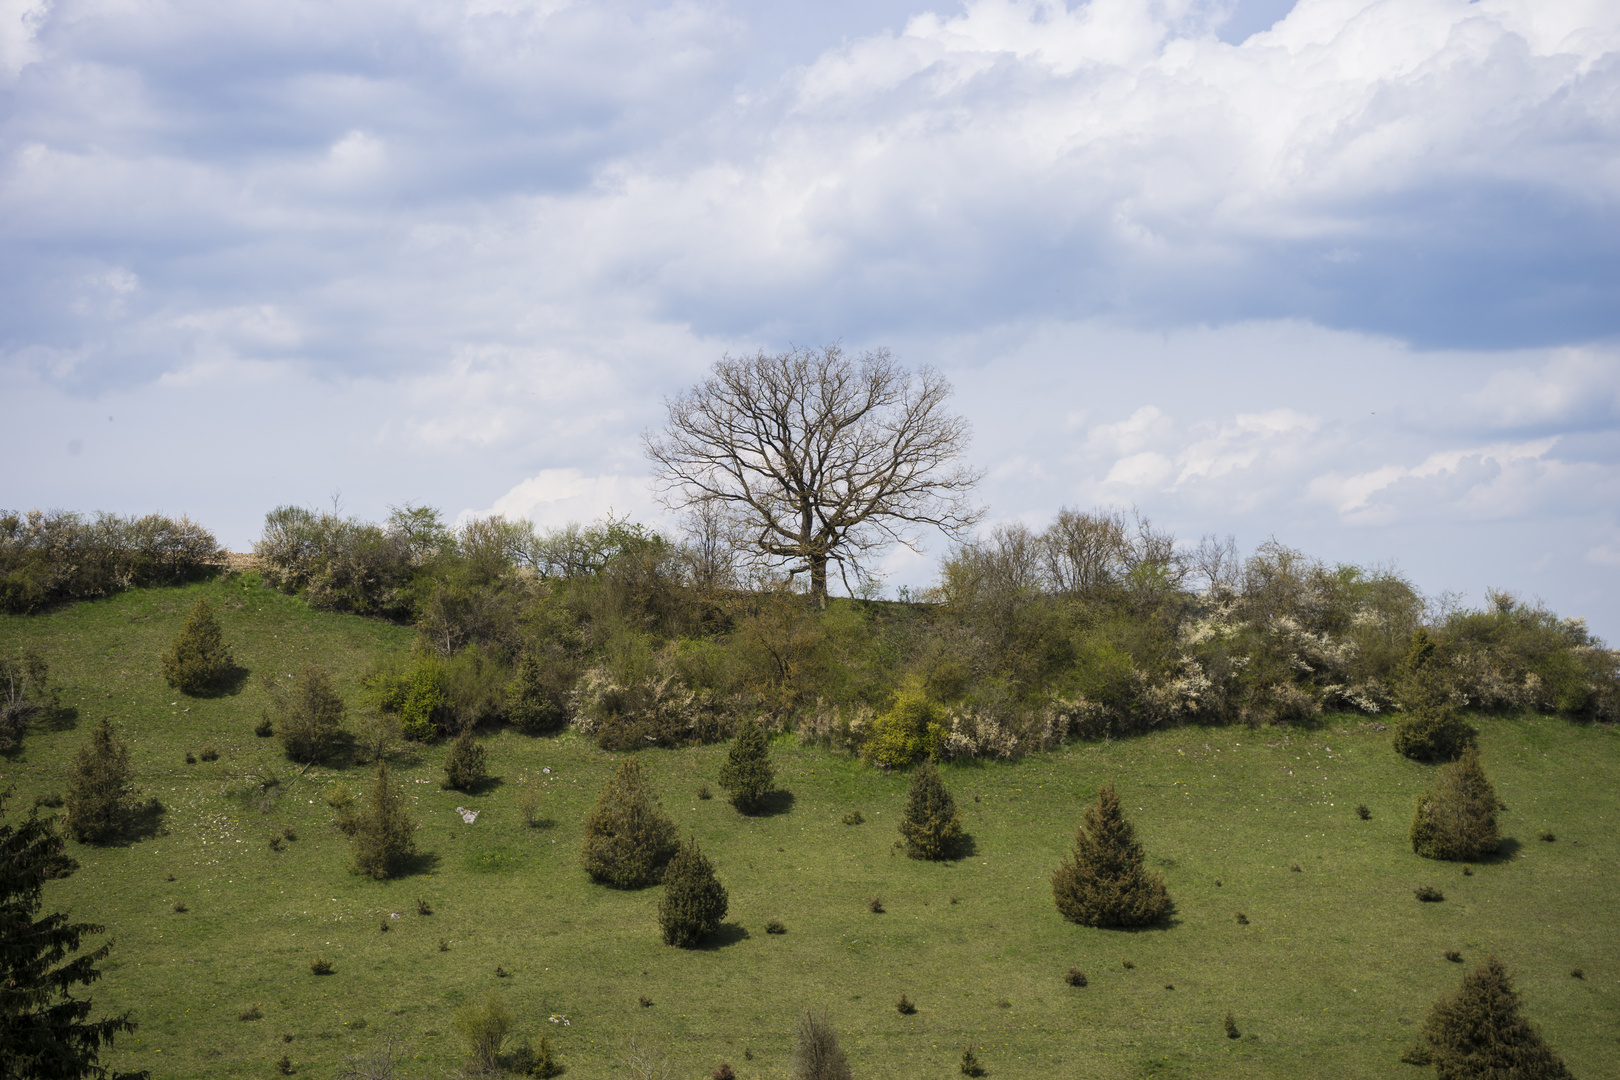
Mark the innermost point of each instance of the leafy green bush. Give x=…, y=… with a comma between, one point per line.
x=747, y=773
x=694, y=901
x=913, y=726
x=931, y=823
x=384, y=835
x=48, y=556
x=628, y=840
x=484, y=1029
x=1106, y=882
x=306, y=714
x=198, y=659
x=99, y=793
x=1477, y=1032
x=464, y=768
x=1456, y=820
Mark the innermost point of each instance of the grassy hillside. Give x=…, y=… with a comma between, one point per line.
x=1334, y=971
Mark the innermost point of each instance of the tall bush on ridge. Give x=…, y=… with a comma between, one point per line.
x=99, y=792
x=307, y=715
x=694, y=901
x=1106, y=882
x=816, y=1053
x=628, y=840
x=198, y=659
x=1478, y=1034
x=464, y=767
x=384, y=835
x=1456, y=819
x=931, y=823
x=747, y=773
x=45, y=1031
x=1429, y=728
x=51, y=555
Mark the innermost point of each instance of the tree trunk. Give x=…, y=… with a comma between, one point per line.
x=818, y=581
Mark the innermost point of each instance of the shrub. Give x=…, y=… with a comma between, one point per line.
x=1429, y=729
x=628, y=840
x=46, y=556
x=423, y=907
x=1546, y=836
x=875, y=905
x=970, y=1064
x=703, y=793
x=904, y=1006
x=854, y=817
x=99, y=793
x=816, y=1053
x=1454, y=956
x=544, y=1062
x=25, y=694
x=1232, y=1031
x=1417, y=1054
x=1478, y=1032
x=1295, y=869
x=1428, y=894
x=383, y=838
x=483, y=1028
x=423, y=706
x=380, y=1064
x=252, y=1012
x=931, y=824
x=1457, y=818
x=179, y=907
x=1242, y=919
x=723, y=1071
x=913, y=726
x=320, y=966
x=694, y=901
x=191, y=759
x=775, y=926
x=528, y=804
x=464, y=765
x=198, y=659
x=264, y=728
x=746, y=773
x=1468, y=871
x=307, y=714
x=285, y=1065
x=644, y=1001
x=208, y=753
x=1106, y=883
x=1577, y=973
x=533, y=698
x=1362, y=812
x=1075, y=977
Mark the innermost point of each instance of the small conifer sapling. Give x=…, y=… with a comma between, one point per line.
x=1456, y=820
x=384, y=835
x=1478, y=1032
x=931, y=824
x=99, y=792
x=198, y=659
x=464, y=766
x=694, y=901
x=628, y=840
x=1106, y=883
x=747, y=774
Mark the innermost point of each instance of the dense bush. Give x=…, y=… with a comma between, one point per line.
x=537, y=691
x=464, y=768
x=816, y=1053
x=383, y=837
x=694, y=901
x=198, y=659
x=1477, y=1032
x=1106, y=882
x=913, y=727
x=25, y=695
x=484, y=1029
x=48, y=556
x=1456, y=820
x=306, y=713
x=931, y=823
x=1429, y=728
x=747, y=773
x=628, y=840
x=343, y=564
x=100, y=795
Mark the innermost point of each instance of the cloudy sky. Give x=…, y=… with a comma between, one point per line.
x=1342, y=272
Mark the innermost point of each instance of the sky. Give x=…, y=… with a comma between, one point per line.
x=1342, y=273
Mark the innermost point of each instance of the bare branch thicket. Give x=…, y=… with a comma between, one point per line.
x=1215, y=561
x=814, y=457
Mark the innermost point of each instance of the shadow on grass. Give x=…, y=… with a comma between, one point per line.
x=482, y=787
x=228, y=684
x=774, y=803
x=729, y=934
x=414, y=865
x=1507, y=849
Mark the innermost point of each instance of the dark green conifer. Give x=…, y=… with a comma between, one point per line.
x=694, y=901
x=530, y=703
x=198, y=659
x=747, y=773
x=306, y=714
x=1457, y=819
x=464, y=766
x=384, y=835
x=1478, y=1034
x=1106, y=883
x=99, y=792
x=628, y=840
x=931, y=824
x=1429, y=728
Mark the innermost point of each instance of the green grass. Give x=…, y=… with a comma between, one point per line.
x=1332, y=976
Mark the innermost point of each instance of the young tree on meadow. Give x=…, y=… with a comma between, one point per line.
x=1106, y=883
x=747, y=773
x=307, y=713
x=816, y=1053
x=464, y=765
x=694, y=901
x=384, y=837
x=931, y=823
x=812, y=457
x=198, y=659
x=1478, y=1034
x=1456, y=820
x=628, y=840
x=1428, y=728
x=99, y=790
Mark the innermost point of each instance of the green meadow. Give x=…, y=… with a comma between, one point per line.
x=1332, y=975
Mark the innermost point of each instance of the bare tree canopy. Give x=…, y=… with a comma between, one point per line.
x=815, y=457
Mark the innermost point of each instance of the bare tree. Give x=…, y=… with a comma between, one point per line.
x=816, y=457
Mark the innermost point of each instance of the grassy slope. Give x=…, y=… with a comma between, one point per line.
x=1331, y=977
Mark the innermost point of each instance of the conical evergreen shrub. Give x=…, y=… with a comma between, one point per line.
x=1106, y=883
x=816, y=1053
x=628, y=840
x=694, y=901
x=198, y=659
x=531, y=700
x=99, y=793
x=931, y=824
x=1478, y=1034
x=747, y=773
x=464, y=765
x=307, y=714
x=1457, y=819
x=384, y=835
x=1429, y=728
